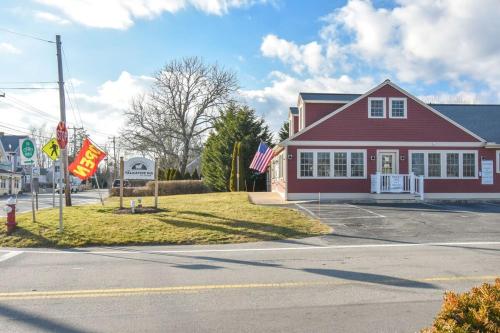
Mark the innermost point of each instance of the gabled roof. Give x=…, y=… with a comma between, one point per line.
x=294, y=110
x=12, y=140
x=328, y=97
x=357, y=97
x=482, y=119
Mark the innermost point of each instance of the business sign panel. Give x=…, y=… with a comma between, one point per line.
x=487, y=172
x=139, y=168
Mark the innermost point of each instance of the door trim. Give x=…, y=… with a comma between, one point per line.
x=379, y=160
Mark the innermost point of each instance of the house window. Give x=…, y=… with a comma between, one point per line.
x=469, y=165
x=452, y=165
x=340, y=164
x=376, y=107
x=357, y=165
x=323, y=164
x=434, y=165
x=3, y=183
x=306, y=164
x=397, y=107
x=418, y=164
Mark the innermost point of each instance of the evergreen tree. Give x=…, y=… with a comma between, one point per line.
x=195, y=175
x=177, y=175
x=234, y=158
x=284, y=131
x=187, y=176
x=235, y=123
x=242, y=169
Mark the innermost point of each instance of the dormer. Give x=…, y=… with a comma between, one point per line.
x=293, y=121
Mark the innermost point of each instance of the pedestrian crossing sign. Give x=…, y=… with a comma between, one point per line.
x=51, y=148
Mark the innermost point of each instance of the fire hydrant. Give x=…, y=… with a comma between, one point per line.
x=10, y=208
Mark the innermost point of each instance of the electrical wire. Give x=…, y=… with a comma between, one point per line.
x=66, y=63
x=27, y=35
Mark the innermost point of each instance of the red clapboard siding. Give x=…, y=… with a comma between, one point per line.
x=316, y=111
x=353, y=123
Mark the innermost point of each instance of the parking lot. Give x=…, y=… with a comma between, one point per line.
x=410, y=222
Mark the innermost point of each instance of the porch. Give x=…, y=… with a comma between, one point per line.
x=392, y=183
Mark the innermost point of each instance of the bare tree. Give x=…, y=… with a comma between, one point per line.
x=172, y=118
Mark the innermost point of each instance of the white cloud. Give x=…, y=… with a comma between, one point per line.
x=49, y=17
x=121, y=14
x=7, y=48
x=101, y=112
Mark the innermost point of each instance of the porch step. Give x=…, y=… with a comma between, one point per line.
x=394, y=197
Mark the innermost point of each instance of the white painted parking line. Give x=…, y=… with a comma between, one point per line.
x=307, y=210
x=10, y=254
x=444, y=208
x=366, y=210
x=356, y=217
x=357, y=246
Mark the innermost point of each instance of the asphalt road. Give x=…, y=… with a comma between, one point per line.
x=45, y=200
x=382, y=278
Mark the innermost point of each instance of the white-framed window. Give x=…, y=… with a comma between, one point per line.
x=397, y=107
x=498, y=161
x=331, y=163
x=3, y=183
x=306, y=160
x=444, y=164
x=376, y=107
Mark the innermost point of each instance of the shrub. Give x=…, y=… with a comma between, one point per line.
x=164, y=188
x=187, y=176
x=475, y=311
x=195, y=176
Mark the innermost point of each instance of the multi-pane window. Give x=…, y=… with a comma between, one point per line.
x=323, y=164
x=398, y=108
x=3, y=183
x=418, y=164
x=376, y=108
x=452, y=165
x=434, y=165
x=340, y=164
x=357, y=165
x=306, y=164
x=469, y=165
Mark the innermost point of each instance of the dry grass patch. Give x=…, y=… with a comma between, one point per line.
x=211, y=218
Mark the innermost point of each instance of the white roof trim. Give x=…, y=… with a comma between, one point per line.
x=386, y=143
x=323, y=101
x=319, y=121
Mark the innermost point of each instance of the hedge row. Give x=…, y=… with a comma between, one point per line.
x=170, y=187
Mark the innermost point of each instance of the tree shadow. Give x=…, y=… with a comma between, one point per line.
x=38, y=323
x=370, y=278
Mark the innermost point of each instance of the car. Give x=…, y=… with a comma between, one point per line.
x=74, y=188
x=116, y=183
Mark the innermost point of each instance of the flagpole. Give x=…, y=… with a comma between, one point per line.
x=98, y=188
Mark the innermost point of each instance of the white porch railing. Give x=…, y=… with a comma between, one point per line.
x=397, y=183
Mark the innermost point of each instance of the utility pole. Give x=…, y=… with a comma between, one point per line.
x=62, y=104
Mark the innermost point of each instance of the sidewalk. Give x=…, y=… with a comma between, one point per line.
x=266, y=198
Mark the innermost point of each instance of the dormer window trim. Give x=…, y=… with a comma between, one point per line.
x=370, y=115
x=405, y=107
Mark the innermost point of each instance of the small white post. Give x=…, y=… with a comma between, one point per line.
x=412, y=183
x=421, y=186
x=379, y=182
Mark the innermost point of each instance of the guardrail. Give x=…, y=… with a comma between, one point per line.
x=397, y=183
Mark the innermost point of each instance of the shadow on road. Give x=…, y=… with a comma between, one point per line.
x=38, y=323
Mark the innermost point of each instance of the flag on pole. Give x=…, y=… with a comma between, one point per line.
x=87, y=161
x=262, y=158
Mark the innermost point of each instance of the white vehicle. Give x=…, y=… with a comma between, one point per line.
x=74, y=188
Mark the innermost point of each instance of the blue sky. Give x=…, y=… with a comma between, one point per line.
x=443, y=51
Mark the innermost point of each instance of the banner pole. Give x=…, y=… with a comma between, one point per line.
x=98, y=188
x=53, y=184
x=32, y=196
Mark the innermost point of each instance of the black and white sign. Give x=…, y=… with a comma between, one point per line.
x=487, y=172
x=139, y=168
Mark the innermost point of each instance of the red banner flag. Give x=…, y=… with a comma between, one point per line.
x=85, y=164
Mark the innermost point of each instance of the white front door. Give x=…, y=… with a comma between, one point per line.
x=387, y=162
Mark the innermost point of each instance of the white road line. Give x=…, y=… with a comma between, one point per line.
x=10, y=254
x=360, y=246
x=355, y=217
x=307, y=210
x=366, y=210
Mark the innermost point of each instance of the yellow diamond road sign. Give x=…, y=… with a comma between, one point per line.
x=51, y=148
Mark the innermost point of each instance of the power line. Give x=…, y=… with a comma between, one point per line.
x=27, y=88
x=66, y=63
x=28, y=107
x=27, y=82
x=26, y=35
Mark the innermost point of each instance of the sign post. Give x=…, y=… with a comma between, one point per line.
x=121, y=182
x=156, y=183
x=28, y=157
x=51, y=149
x=140, y=168
x=62, y=141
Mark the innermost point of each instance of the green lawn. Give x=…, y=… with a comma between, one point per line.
x=213, y=218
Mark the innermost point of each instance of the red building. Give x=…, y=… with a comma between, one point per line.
x=388, y=143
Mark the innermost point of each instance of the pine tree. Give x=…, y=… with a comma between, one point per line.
x=235, y=123
x=284, y=131
x=195, y=175
x=234, y=158
x=187, y=176
x=242, y=169
x=177, y=175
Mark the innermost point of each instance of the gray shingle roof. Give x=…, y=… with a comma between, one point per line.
x=328, y=97
x=294, y=110
x=481, y=119
x=12, y=140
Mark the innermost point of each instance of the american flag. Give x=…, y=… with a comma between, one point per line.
x=262, y=158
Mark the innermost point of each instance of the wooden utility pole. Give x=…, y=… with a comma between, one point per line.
x=62, y=106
